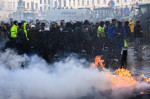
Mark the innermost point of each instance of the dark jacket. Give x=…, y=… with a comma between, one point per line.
x=120, y=32
x=54, y=37
x=4, y=36
x=106, y=30
x=112, y=32
x=43, y=38
x=137, y=31
x=128, y=31
x=88, y=32
x=21, y=37
x=37, y=26
x=34, y=37
x=95, y=28
x=67, y=34
x=78, y=33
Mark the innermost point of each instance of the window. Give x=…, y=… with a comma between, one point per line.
x=82, y=2
x=64, y=3
x=8, y=5
x=92, y=1
x=44, y=1
x=98, y=1
x=28, y=5
x=49, y=1
x=70, y=2
x=32, y=5
x=78, y=2
x=125, y=1
x=55, y=3
x=36, y=5
x=118, y=1
x=41, y=9
x=3, y=4
x=40, y=1
x=88, y=2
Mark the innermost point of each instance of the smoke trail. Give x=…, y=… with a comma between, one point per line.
x=11, y=60
x=65, y=79
x=68, y=79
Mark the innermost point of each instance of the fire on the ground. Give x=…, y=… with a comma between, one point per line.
x=122, y=77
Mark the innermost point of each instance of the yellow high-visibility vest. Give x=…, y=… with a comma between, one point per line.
x=126, y=42
x=25, y=30
x=101, y=32
x=14, y=31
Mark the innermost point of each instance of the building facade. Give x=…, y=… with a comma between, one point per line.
x=40, y=7
x=8, y=5
x=93, y=3
x=44, y=5
x=31, y=6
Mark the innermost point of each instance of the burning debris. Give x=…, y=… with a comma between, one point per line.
x=122, y=78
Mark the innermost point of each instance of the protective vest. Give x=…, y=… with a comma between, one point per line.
x=14, y=31
x=126, y=42
x=131, y=24
x=25, y=30
x=101, y=31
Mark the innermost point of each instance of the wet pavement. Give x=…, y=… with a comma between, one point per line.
x=139, y=67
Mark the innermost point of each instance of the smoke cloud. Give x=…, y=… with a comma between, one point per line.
x=68, y=79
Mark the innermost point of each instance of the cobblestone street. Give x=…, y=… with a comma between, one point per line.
x=139, y=67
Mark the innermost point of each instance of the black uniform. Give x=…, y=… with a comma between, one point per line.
x=21, y=41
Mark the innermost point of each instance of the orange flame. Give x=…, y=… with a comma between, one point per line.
x=121, y=78
x=99, y=61
x=145, y=78
x=124, y=78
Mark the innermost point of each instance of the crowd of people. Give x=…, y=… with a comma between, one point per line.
x=84, y=38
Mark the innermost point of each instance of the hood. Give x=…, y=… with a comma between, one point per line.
x=130, y=19
x=79, y=24
x=68, y=24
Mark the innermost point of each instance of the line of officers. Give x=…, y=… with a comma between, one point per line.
x=84, y=38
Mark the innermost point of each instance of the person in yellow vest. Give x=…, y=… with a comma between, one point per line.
x=101, y=30
x=14, y=30
x=131, y=25
x=26, y=29
x=126, y=45
x=101, y=37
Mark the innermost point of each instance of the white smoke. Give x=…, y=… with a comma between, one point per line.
x=11, y=59
x=68, y=79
